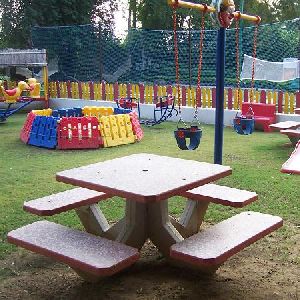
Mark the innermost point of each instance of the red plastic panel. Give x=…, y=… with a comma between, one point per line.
x=25, y=132
x=136, y=126
x=78, y=133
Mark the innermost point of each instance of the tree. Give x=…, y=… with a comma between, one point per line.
x=20, y=15
x=261, y=8
x=132, y=13
x=287, y=9
x=157, y=14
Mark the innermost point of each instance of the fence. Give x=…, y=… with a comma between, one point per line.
x=81, y=53
x=285, y=102
x=148, y=94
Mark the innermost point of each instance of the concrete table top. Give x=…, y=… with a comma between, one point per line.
x=144, y=177
x=285, y=125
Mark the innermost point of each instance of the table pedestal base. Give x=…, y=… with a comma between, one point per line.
x=144, y=221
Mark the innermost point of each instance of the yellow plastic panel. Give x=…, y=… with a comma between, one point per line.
x=43, y=112
x=114, y=131
x=105, y=130
x=128, y=126
x=125, y=139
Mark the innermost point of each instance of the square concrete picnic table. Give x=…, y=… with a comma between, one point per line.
x=146, y=181
x=285, y=125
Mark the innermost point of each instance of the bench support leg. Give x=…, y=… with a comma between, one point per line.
x=93, y=219
x=113, y=232
x=191, y=218
x=87, y=276
x=134, y=232
x=294, y=140
x=193, y=215
x=161, y=232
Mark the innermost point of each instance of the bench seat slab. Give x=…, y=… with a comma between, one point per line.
x=285, y=125
x=213, y=246
x=64, y=201
x=80, y=250
x=221, y=195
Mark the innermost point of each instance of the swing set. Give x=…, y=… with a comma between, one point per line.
x=164, y=109
x=224, y=12
x=244, y=124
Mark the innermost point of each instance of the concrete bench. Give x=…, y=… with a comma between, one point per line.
x=213, y=246
x=64, y=201
x=221, y=195
x=92, y=257
x=285, y=125
x=293, y=135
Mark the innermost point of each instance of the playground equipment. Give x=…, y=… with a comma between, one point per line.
x=225, y=13
x=76, y=128
x=34, y=88
x=22, y=58
x=163, y=110
x=13, y=95
x=194, y=132
x=243, y=123
x=263, y=114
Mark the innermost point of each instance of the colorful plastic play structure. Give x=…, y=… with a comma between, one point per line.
x=17, y=97
x=81, y=128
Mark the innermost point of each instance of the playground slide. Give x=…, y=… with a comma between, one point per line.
x=292, y=165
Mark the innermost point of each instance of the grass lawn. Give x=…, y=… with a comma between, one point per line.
x=28, y=172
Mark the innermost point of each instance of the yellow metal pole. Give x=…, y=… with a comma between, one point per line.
x=239, y=15
x=45, y=79
x=185, y=4
x=211, y=9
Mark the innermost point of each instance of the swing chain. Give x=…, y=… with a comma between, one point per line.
x=254, y=57
x=237, y=58
x=198, y=93
x=176, y=52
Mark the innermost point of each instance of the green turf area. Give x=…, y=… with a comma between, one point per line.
x=28, y=172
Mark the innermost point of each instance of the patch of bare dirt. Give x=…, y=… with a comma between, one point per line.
x=269, y=269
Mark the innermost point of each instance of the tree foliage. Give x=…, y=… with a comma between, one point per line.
x=287, y=9
x=156, y=14
x=18, y=16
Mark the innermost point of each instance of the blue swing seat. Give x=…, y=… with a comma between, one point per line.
x=243, y=125
x=194, y=133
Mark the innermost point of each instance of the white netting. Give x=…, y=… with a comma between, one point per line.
x=287, y=70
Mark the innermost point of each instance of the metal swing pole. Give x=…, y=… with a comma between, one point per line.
x=219, y=115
